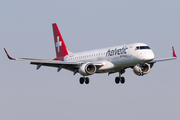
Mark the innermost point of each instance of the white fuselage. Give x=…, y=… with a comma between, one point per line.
x=115, y=57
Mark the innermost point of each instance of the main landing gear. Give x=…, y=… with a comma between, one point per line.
x=84, y=79
x=120, y=79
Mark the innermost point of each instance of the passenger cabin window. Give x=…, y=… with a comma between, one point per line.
x=142, y=47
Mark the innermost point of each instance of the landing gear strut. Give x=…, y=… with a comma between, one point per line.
x=84, y=79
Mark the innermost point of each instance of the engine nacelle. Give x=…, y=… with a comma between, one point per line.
x=141, y=70
x=87, y=69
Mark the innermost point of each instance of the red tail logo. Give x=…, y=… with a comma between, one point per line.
x=60, y=46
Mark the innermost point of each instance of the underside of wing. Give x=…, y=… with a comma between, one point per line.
x=58, y=64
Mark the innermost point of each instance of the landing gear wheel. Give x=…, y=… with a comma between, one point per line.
x=122, y=80
x=117, y=79
x=87, y=80
x=81, y=80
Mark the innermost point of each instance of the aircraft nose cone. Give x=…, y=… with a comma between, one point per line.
x=149, y=56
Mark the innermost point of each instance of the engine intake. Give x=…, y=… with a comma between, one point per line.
x=87, y=69
x=142, y=69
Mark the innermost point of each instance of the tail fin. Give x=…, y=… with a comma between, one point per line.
x=60, y=46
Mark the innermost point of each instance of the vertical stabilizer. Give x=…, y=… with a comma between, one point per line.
x=60, y=46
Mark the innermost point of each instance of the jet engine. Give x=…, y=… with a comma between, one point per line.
x=141, y=69
x=87, y=69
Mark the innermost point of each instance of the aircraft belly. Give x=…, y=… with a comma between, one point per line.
x=115, y=64
x=121, y=61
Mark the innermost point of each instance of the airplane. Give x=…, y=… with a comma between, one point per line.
x=117, y=59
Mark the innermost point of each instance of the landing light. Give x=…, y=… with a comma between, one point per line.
x=103, y=64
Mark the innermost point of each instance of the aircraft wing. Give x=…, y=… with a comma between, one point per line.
x=72, y=66
x=50, y=63
x=165, y=59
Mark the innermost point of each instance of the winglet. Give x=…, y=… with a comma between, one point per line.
x=174, y=54
x=8, y=55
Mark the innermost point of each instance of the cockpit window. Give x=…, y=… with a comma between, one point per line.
x=145, y=47
x=137, y=48
x=142, y=47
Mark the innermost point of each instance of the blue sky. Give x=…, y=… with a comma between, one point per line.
x=26, y=31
